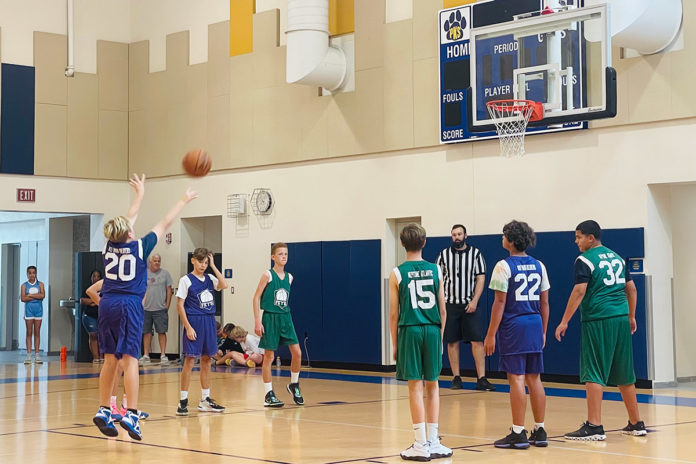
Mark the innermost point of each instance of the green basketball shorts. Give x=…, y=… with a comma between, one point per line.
x=418, y=352
x=278, y=330
x=606, y=353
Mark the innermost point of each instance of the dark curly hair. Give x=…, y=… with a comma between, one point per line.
x=520, y=235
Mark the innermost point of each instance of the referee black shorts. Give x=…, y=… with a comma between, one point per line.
x=463, y=326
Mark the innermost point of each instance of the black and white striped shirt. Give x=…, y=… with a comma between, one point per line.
x=459, y=271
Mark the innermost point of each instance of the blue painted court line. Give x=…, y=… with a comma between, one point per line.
x=377, y=379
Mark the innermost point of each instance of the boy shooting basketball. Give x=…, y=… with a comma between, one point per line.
x=417, y=319
x=275, y=327
x=607, y=297
x=121, y=310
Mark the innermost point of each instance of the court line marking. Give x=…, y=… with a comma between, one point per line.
x=254, y=412
x=173, y=448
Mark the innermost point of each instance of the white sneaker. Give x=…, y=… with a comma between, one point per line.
x=210, y=405
x=416, y=452
x=37, y=360
x=144, y=360
x=164, y=361
x=28, y=360
x=438, y=450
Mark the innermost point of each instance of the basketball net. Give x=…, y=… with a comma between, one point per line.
x=511, y=118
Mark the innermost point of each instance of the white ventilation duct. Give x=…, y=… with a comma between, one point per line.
x=647, y=26
x=70, y=68
x=310, y=58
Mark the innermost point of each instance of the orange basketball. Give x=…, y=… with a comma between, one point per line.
x=196, y=163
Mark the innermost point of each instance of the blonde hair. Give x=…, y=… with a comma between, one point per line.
x=238, y=332
x=278, y=245
x=116, y=230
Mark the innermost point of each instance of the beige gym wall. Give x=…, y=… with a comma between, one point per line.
x=81, y=124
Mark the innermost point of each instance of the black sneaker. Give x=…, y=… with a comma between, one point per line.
x=182, y=409
x=294, y=390
x=637, y=430
x=484, y=384
x=210, y=405
x=587, y=432
x=456, y=383
x=538, y=437
x=272, y=401
x=513, y=441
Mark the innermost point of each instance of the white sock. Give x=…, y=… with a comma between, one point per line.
x=419, y=432
x=205, y=393
x=113, y=401
x=431, y=432
x=538, y=425
x=294, y=377
x=124, y=401
x=184, y=395
x=267, y=386
x=517, y=428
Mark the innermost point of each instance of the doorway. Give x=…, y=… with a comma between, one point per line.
x=393, y=255
x=9, y=296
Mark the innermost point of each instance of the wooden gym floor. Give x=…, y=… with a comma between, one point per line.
x=46, y=417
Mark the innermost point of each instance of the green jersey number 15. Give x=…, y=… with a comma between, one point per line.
x=422, y=297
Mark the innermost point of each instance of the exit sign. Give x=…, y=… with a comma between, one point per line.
x=26, y=195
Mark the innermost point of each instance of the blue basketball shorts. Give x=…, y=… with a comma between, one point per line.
x=90, y=324
x=120, y=326
x=520, y=364
x=205, y=343
x=32, y=310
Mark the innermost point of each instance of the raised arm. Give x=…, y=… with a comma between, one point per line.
x=222, y=284
x=138, y=183
x=167, y=220
x=258, y=326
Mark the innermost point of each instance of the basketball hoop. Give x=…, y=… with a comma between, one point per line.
x=511, y=118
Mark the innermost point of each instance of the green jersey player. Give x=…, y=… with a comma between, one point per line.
x=417, y=319
x=606, y=296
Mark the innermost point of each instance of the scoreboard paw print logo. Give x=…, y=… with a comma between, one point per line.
x=455, y=25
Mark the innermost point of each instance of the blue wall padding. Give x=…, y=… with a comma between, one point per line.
x=17, y=120
x=557, y=250
x=336, y=296
x=336, y=299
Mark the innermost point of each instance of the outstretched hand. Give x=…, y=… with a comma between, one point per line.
x=189, y=195
x=138, y=183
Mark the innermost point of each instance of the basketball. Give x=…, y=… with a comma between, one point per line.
x=196, y=163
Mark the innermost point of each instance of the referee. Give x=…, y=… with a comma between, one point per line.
x=464, y=273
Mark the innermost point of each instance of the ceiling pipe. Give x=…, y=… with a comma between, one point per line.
x=310, y=58
x=70, y=68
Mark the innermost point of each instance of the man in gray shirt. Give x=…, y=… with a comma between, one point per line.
x=156, y=303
